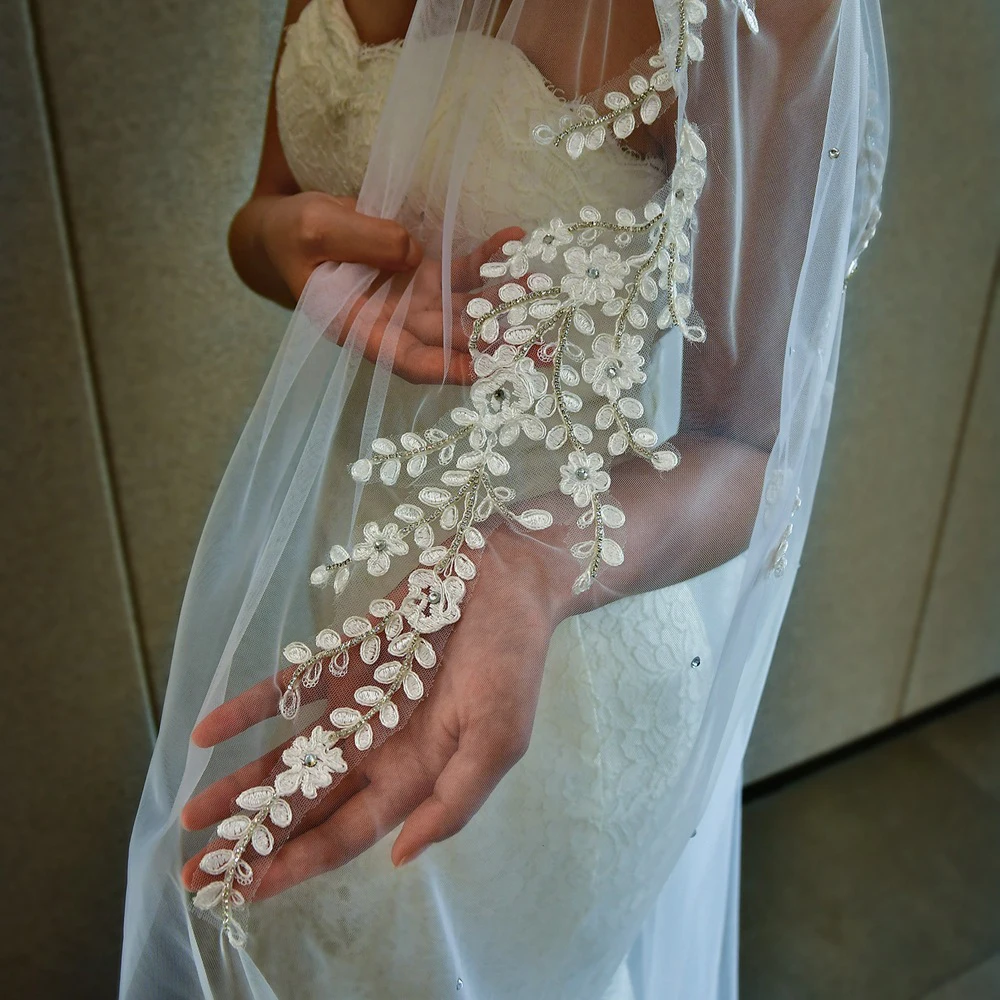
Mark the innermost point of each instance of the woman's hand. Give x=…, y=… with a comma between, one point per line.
x=436, y=772
x=419, y=353
x=301, y=231
x=278, y=241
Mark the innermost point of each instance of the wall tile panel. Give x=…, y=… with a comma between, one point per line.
x=159, y=109
x=75, y=737
x=913, y=319
x=959, y=644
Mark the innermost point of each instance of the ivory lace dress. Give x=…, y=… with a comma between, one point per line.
x=619, y=707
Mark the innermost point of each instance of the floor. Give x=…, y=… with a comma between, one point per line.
x=877, y=875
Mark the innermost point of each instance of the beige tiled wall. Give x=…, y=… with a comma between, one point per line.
x=958, y=642
x=914, y=319
x=76, y=733
x=158, y=111
x=129, y=377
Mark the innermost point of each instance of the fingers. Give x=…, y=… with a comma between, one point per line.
x=424, y=365
x=215, y=802
x=351, y=784
x=483, y=757
x=245, y=710
x=359, y=823
x=362, y=239
x=465, y=270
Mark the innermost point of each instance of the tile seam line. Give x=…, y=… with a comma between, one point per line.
x=84, y=343
x=954, y=468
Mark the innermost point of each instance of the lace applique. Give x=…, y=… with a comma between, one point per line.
x=748, y=15
x=514, y=393
x=779, y=560
x=527, y=365
x=871, y=170
x=771, y=495
x=583, y=128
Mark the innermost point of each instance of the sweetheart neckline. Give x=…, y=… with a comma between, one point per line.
x=396, y=45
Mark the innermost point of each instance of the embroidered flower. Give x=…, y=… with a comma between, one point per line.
x=544, y=243
x=432, y=602
x=505, y=395
x=583, y=477
x=595, y=275
x=311, y=760
x=614, y=369
x=379, y=546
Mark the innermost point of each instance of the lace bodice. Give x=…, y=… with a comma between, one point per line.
x=330, y=90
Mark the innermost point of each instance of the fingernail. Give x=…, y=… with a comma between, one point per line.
x=411, y=857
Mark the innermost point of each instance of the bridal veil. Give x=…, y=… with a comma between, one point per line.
x=646, y=363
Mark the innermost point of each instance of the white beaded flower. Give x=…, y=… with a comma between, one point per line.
x=613, y=369
x=544, y=242
x=311, y=760
x=379, y=546
x=582, y=477
x=431, y=603
x=504, y=399
x=595, y=275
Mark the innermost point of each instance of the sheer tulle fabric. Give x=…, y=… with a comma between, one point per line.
x=654, y=370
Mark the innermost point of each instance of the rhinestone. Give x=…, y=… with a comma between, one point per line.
x=680, y=194
x=693, y=832
x=310, y=760
x=495, y=402
x=696, y=662
x=833, y=153
x=433, y=597
x=459, y=984
x=583, y=473
x=612, y=370
x=379, y=546
x=550, y=239
x=593, y=272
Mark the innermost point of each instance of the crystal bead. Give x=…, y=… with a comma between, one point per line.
x=582, y=473
x=434, y=597
x=593, y=272
x=612, y=371
x=696, y=662
x=549, y=239
x=310, y=760
x=833, y=153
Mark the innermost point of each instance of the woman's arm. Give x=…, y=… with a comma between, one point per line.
x=282, y=234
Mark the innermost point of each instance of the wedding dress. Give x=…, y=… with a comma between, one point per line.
x=605, y=864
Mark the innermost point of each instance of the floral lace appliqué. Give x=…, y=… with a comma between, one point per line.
x=583, y=128
x=542, y=370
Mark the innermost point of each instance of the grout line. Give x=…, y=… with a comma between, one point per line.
x=775, y=782
x=954, y=466
x=99, y=418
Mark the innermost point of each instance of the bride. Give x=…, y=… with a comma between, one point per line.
x=499, y=562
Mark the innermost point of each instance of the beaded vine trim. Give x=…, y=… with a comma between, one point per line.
x=528, y=365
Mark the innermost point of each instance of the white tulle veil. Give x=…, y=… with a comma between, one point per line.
x=652, y=385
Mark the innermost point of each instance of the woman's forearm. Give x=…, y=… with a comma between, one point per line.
x=249, y=255
x=678, y=524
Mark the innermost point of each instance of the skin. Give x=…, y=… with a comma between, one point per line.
x=433, y=774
